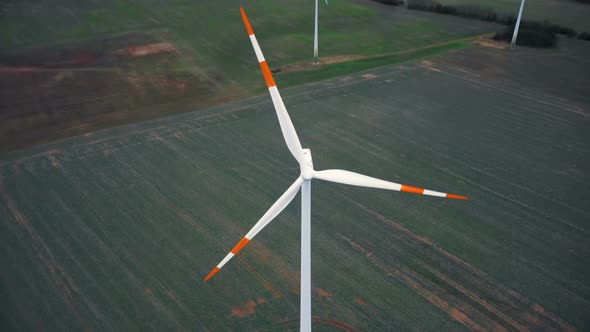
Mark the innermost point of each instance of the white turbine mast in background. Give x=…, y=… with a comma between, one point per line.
x=303, y=157
x=315, y=34
x=517, y=26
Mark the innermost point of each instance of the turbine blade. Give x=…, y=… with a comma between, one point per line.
x=274, y=210
x=356, y=179
x=287, y=128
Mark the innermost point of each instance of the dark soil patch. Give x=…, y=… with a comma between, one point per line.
x=79, y=53
x=70, y=89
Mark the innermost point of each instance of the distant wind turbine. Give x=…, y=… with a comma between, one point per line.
x=315, y=34
x=303, y=157
x=513, y=43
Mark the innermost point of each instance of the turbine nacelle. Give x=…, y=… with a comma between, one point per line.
x=306, y=165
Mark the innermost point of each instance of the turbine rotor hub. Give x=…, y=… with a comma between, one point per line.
x=307, y=171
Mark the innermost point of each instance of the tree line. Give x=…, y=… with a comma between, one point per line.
x=531, y=33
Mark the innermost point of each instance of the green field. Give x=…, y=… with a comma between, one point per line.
x=568, y=13
x=115, y=230
x=78, y=81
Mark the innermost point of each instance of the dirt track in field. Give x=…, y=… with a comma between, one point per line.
x=329, y=60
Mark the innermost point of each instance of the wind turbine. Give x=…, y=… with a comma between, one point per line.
x=315, y=34
x=517, y=26
x=303, y=157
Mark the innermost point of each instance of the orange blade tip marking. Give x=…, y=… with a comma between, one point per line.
x=246, y=22
x=453, y=196
x=413, y=190
x=270, y=82
x=212, y=273
x=244, y=241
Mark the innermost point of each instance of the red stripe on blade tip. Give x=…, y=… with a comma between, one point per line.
x=240, y=245
x=413, y=190
x=246, y=22
x=453, y=196
x=212, y=273
x=270, y=82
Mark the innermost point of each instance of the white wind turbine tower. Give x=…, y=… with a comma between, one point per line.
x=315, y=34
x=517, y=26
x=303, y=157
